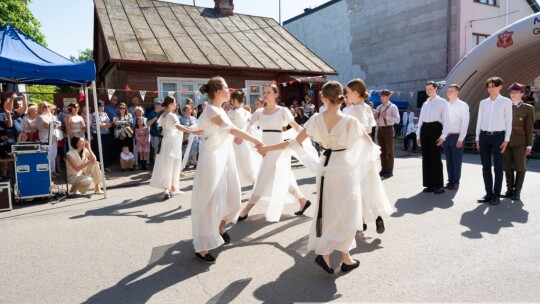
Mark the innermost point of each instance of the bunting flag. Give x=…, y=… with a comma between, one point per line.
x=81, y=93
x=184, y=91
x=171, y=93
x=412, y=93
x=143, y=93
x=244, y=90
x=284, y=84
x=127, y=88
x=110, y=93
x=398, y=93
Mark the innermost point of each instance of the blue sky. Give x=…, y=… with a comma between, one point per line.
x=68, y=25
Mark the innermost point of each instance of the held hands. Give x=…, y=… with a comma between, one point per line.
x=238, y=140
x=261, y=149
x=199, y=132
x=440, y=142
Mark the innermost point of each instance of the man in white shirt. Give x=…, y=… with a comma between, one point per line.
x=493, y=129
x=412, y=128
x=453, y=145
x=407, y=119
x=386, y=115
x=432, y=130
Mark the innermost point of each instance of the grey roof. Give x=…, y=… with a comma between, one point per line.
x=158, y=31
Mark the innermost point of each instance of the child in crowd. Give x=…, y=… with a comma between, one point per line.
x=126, y=159
x=142, y=141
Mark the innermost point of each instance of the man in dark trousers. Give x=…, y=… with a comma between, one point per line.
x=432, y=130
x=386, y=115
x=521, y=142
x=493, y=129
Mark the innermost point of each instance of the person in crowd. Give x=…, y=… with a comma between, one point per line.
x=301, y=117
x=187, y=119
x=227, y=107
x=348, y=106
x=258, y=104
x=59, y=136
x=493, y=130
x=123, y=131
x=453, y=145
x=111, y=108
x=44, y=120
x=407, y=119
x=189, y=102
x=166, y=171
x=127, y=159
x=155, y=137
x=308, y=105
x=84, y=115
x=386, y=116
x=139, y=113
x=105, y=134
x=246, y=162
x=75, y=124
x=520, y=144
x=349, y=154
x=216, y=187
x=433, y=125
x=275, y=180
x=135, y=103
x=200, y=108
x=30, y=125
x=17, y=113
x=410, y=135
x=7, y=135
x=142, y=142
x=82, y=167
x=530, y=97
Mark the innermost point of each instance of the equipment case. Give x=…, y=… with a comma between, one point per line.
x=5, y=197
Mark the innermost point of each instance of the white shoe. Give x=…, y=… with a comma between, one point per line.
x=166, y=195
x=177, y=192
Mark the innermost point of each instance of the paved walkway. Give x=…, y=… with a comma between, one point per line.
x=133, y=248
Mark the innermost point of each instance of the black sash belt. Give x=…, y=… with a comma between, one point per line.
x=276, y=131
x=318, y=226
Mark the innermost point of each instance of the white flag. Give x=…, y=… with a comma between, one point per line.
x=143, y=93
x=110, y=92
x=412, y=93
x=171, y=93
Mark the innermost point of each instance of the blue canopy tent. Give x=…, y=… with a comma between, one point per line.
x=375, y=97
x=24, y=61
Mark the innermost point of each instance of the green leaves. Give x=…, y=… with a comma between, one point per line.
x=17, y=13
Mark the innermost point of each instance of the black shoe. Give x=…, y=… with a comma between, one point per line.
x=242, y=218
x=495, y=200
x=487, y=198
x=516, y=196
x=428, y=190
x=364, y=226
x=346, y=268
x=207, y=259
x=449, y=185
x=308, y=203
x=319, y=260
x=387, y=175
x=123, y=170
x=226, y=238
x=508, y=194
x=438, y=190
x=454, y=186
x=380, y=225
x=381, y=173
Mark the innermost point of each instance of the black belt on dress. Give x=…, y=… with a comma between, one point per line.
x=318, y=226
x=492, y=132
x=275, y=131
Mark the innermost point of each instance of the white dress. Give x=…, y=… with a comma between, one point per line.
x=364, y=114
x=342, y=196
x=247, y=161
x=216, y=187
x=166, y=171
x=276, y=183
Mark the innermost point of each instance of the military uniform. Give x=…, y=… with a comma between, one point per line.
x=514, y=156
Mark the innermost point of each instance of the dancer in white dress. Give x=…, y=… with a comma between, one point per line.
x=349, y=154
x=357, y=94
x=276, y=182
x=247, y=160
x=216, y=186
x=166, y=172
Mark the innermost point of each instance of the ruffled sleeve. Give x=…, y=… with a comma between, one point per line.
x=354, y=131
x=312, y=129
x=286, y=116
x=255, y=116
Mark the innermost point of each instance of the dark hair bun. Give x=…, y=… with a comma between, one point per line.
x=203, y=89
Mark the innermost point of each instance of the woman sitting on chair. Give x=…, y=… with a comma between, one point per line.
x=82, y=167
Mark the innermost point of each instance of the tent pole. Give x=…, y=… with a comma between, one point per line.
x=98, y=135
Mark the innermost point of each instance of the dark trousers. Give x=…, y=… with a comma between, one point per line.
x=432, y=169
x=106, y=145
x=490, y=145
x=385, y=139
x=409, y=137
x=454, y=158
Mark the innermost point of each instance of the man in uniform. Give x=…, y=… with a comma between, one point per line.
x=520, y=144
x=386, y=116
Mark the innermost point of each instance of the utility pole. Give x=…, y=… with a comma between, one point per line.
x=194, y=3
x=280, y=12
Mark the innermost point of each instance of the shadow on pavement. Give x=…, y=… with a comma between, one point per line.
x=424, y=202
x=491, y=219
x=115, y=210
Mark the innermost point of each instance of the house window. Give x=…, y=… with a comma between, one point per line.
x=182, y=89
x=488, y=2
x=477, y=38
x=254, y=90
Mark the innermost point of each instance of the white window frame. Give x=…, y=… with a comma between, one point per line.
x=197, y=97
x=261, y=84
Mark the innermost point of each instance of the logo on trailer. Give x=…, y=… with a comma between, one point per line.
x=505, y=40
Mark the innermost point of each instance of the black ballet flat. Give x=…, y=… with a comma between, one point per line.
x=242, y=218
x=226, y=238
x=308, y=203
x=364, y=227
x=207, y=259
x=319, y=260
x=347, y=268
x=380, y=225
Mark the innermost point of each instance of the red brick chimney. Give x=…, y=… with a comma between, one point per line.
x=224, y=7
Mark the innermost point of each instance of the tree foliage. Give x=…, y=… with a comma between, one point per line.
x=18, y=14
x=39, y=93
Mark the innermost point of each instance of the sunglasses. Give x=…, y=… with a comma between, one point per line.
x=122, y=108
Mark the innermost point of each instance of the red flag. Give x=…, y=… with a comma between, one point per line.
x=127, y=88
x=81, y=94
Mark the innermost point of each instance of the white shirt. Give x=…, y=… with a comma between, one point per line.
x=459, y=118
x=392, y=115
x=412, y=128
x=347, y=109
x=127, y=156
x=495, y=115
x=407, y=118
x=435, y=110
x=322, y=108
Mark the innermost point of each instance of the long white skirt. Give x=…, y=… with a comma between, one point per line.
x=167, y=169
x=246, y=163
